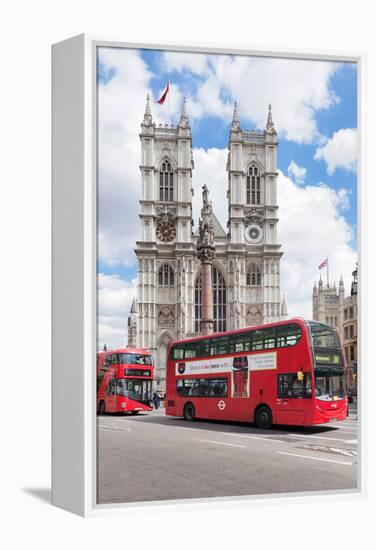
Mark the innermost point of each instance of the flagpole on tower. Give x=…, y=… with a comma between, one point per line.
x=327, y=270
x=168, y=99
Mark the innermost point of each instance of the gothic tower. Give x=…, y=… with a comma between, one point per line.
x=327, y=303
x=165, y=250
x=245, y=269
x=252, y=206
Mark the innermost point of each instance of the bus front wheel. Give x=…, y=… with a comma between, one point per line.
x=189, y=412
x=263, y=417
x=101, y=408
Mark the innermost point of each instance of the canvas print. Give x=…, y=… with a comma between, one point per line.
x=226, y=275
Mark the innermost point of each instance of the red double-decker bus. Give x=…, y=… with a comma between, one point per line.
x=289, y=372
x=124, y=381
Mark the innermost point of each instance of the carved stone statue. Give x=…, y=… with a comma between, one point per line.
x=205, y=243
x=205, y=196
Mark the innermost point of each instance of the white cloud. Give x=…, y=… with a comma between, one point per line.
x=312, y=228
x=210, y=169
x=115, y=296
x=297, y=173
x=195, y=62
x=340, y=151
x=297, y=89
x=120, y=106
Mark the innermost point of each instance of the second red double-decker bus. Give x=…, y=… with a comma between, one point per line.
x=290, y=372
x=124, y=381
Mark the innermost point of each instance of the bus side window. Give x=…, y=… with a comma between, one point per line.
x=290, y=386
x=288, y=335
x=177, y=352
x=240, y=342
x=263, y=339
x=204, y=348
x=191, y=350
x=219, y=346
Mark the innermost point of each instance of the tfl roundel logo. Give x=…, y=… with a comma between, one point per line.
x=181, y=368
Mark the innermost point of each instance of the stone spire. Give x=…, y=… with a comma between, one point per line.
x=148, y=119
x=270, y=124
x=284, y=312
x=184, y=120
x=132, y=325
x=314, y=289
x=354, y=284
x=235, y=125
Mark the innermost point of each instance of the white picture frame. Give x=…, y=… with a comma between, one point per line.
x=74, y=206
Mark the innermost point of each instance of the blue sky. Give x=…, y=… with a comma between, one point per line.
x=315, y=113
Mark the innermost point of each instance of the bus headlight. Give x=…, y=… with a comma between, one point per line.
x=123, y=405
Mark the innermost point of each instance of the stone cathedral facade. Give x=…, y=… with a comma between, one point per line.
x=246, y=267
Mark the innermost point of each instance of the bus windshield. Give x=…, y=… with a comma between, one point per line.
x=135, y=359
x=139, y=390
x=323, y=336
x=329, y=383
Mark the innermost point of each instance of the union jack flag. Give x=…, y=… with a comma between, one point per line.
x=161, y=100
x=323, y=264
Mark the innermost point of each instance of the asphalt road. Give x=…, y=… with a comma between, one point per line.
x=151, y=457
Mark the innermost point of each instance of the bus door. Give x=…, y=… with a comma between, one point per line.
x=110, y=396
x=240, y=388
x=218, y=402
x=293, y=403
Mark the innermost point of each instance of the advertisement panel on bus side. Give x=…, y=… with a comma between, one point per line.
x=254, y=362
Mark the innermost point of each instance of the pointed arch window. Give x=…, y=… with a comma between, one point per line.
x=219, y=302
x=254, y=275
x=166, y=276
x=253, y=185
x=166, y=182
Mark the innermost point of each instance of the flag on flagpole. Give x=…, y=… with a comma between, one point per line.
x=323, y=264
x=161, y=100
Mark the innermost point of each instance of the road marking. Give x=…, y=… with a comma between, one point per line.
x=316, y=458
x=340, y=428
x=115, y=428
x=221, y=443
x=352, y=441
x=346, y=424
x=254, y=437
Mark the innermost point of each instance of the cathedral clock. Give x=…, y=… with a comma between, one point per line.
x=166, y=231
x=253, y=234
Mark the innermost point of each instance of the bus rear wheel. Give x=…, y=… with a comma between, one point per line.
x=189, y=411
x=101, y=408
x=263, y=418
